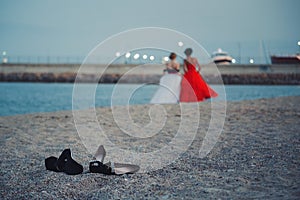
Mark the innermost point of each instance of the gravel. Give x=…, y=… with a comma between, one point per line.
x=257, y=156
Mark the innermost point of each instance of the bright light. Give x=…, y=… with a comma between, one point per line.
x=151, y=57
x=233, y=60
x=4, y=53
x=136, y=56
x=145, y=56
x=166, y=59
x=118, y=54
x=251, y=60
x=180, y=44
x=127, y=55
x=4, y=60
x=298, y=43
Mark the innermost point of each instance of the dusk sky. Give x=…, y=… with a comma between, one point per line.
x=74, y=28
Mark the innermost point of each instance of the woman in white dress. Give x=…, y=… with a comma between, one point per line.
x=169, y=84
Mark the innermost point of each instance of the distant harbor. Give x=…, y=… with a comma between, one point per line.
x=263, y=74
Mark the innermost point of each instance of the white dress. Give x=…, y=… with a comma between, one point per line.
x=169, y=88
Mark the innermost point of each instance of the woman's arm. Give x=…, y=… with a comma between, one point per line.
x=184, y=67
x=197, y=65
x=177, y=67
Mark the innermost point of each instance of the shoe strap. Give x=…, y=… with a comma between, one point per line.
x=112, y=165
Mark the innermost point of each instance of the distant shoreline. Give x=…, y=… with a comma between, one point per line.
x=228, y=79
x=67, y=73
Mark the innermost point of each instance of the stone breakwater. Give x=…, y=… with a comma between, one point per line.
x=230, y=74
x=71, y=77
x=259, y=79
x=262, y=79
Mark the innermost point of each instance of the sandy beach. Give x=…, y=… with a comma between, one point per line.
x=257, y=156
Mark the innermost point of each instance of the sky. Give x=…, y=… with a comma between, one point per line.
x=74, y=28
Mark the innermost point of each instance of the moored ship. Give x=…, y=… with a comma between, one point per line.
x=221, y=57
x=291, y=59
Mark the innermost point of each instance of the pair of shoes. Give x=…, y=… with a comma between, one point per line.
x=97, y=166
x=65, y=163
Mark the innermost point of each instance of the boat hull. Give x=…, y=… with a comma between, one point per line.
x=285, y=59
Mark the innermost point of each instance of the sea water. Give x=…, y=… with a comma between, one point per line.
x=22, y=98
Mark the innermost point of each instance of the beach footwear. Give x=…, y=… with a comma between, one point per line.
x=121, y=168
x=64, y=163
x=97, y=165
x=51, y=164
x=100, y=154
x=112, y=168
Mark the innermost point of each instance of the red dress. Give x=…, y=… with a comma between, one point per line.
x=193, y=87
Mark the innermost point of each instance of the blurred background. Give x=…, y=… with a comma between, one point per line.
x=53, y=31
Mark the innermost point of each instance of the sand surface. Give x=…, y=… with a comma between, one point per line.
x=257, y=156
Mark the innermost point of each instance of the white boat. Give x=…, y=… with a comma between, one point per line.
x=221, y=57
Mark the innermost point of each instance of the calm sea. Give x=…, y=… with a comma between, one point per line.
x=22, y=98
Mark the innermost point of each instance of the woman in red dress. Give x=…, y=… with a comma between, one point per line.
x=193, y=86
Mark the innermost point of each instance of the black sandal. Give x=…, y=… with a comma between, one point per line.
x=51, y=164
x=65, y=163
x=97, y=166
